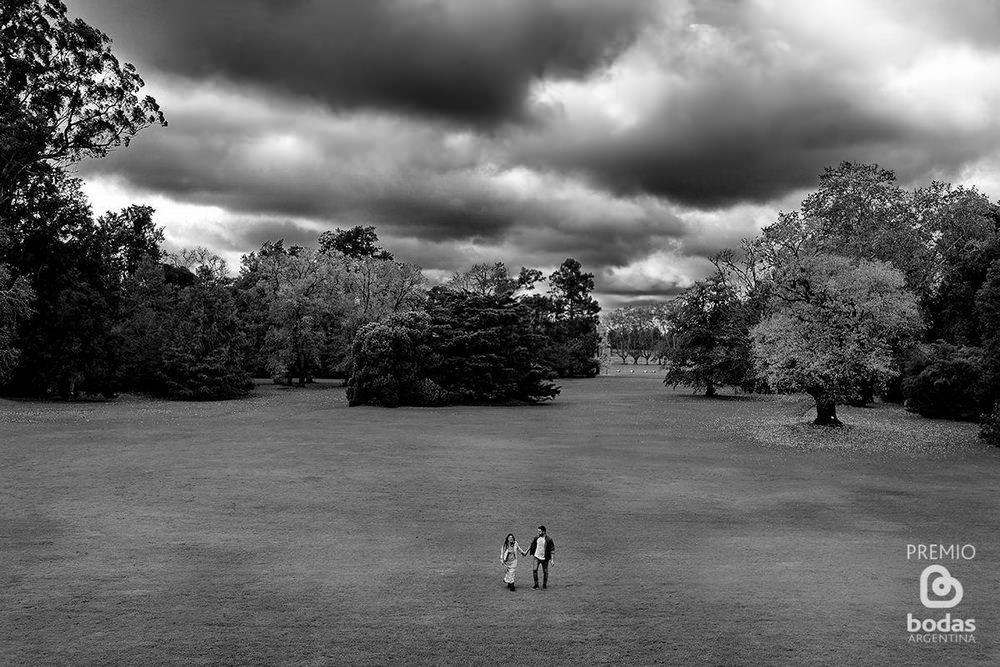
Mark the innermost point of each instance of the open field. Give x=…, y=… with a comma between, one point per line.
x=291, y=529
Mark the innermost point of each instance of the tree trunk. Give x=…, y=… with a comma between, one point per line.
x=826, y=411
x=301, y=364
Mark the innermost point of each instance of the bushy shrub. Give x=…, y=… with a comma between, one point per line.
x=946, y=381
x=487, y=351
x=390, y=360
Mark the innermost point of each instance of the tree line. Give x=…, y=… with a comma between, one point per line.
x=95, y=306
x=868, y=290
x=638, y=332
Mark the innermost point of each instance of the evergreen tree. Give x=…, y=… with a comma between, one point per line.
x=466, y=348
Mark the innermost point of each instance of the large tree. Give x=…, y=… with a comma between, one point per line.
x=952, y=223
x=942, y=239
x=572, y=292
x=953, y=311
x=356, y=242
x=833, y=327
x=373, y=288
x=567, y=318
x=857, y=211
x=65, y=95
x=466, y=348
x=709, y=331
x=931, y=234
x=304, y=292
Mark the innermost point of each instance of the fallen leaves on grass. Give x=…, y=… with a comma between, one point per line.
x=883, y=430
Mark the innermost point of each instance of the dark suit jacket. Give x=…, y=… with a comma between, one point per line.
x=550, y=547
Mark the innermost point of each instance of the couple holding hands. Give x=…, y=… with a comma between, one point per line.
x=542, y=550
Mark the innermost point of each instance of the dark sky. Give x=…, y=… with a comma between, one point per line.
x=639, y=137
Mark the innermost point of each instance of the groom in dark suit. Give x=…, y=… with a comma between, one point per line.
x=543, y=550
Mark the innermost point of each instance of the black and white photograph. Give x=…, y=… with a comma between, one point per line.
x=527, y=332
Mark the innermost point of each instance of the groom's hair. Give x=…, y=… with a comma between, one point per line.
x=541, y=528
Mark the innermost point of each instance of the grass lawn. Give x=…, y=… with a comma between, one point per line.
x=290, y=529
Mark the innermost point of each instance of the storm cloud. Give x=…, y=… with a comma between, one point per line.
x=753, y=105
x=639, y=137
x=471, y=62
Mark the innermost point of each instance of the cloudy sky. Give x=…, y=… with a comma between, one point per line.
x=638, y=137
